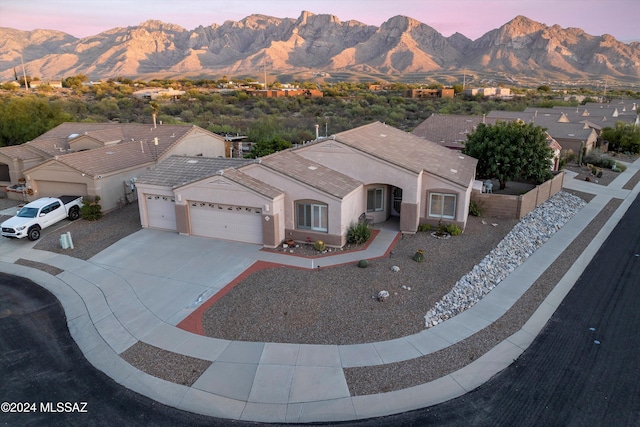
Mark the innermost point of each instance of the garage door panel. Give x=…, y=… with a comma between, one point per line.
x=161, y=212
x=57, y=189
x=237, y=223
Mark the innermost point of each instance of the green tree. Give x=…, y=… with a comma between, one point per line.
x=512, y=150
x=623, y=138
x=75, y=82
x=23, y=119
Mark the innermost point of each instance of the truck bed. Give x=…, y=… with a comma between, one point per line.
x=66, y=199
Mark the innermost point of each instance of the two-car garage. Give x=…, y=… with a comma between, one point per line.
x=239, y=223
x=209, y=197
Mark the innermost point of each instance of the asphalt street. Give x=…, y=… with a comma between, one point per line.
x=582, y=370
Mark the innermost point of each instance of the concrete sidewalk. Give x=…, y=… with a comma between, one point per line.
x=115, y=300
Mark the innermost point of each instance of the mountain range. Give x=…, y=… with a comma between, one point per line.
x=401, y=46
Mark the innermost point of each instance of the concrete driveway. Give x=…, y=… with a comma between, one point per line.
x=172, y=274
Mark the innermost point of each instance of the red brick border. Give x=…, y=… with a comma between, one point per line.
x=193, y=322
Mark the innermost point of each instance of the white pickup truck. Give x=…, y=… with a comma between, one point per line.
x=40, y=214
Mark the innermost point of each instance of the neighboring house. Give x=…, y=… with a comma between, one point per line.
x=429, y=93
x=284, y=93
x=499, y=92
x=451, y=131
x=99, y=159
x=155, y=93
x=312, y=192
x=570, y=135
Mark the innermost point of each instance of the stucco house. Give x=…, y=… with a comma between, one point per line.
x=98, y=159
x=315, y=191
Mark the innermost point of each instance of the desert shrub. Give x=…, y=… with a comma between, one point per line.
x=568, y=156
x=595, y=158
x=453, y=229
x=475, y=208
x=319, y=245
x=91, y=209
x=358, y=233
x=619, y=167
x=425, y=227
x=363, y=263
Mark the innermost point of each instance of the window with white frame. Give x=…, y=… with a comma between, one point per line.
x=375, y=199
x=312, y=216
x=442, y=205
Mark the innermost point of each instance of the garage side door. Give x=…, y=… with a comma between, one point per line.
x=237, y=223
x=161, y=212
x=57, y=189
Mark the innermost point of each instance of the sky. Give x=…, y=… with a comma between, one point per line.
x=473, y=18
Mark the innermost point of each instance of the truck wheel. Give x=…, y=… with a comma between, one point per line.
x=74, y=214
x=34, y=233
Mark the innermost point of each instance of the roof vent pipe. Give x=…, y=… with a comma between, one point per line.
x=317, y=131
x=154, y=120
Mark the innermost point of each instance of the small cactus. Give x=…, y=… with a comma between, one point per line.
x=319, y=245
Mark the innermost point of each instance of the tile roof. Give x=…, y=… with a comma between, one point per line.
x=525, y=116
x=310, y=173
x=600, y=114
x=449, y=130
x=177, y=171
x=410, y=152
x=252, y=183
x=57, y=139
x=136, y=145
x=106, y=160
x=551, y=121
x=21, y=152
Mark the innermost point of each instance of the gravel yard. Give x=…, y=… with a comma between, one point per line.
x=91, y=237
x=337, y=305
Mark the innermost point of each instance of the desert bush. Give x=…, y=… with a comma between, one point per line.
x=475, y=208
x=453, y=229
x=619, y=167
x=425, y=227
x=358, y=233
x=595, y=158
x=91, y=209
x=319, y=245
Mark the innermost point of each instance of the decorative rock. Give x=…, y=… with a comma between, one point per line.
x=524, y=239
x=395, y=268
x=383, y=295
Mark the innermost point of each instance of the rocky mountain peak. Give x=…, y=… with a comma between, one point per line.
x=316, y=43
x=307, y=18
x=156, y=25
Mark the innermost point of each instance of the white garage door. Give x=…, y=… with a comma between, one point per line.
x=57, y=189
x=161, y=212
x=238, y=223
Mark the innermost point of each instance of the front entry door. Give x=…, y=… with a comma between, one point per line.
x=396, y=201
